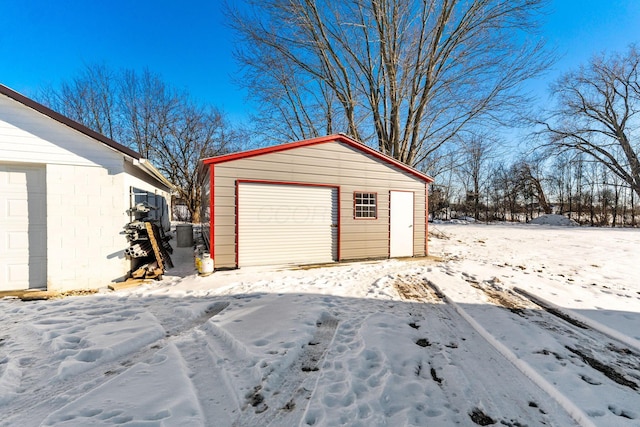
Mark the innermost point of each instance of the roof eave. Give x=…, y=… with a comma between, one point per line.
x=151, y=170
x=307, y=142
x=4, y=90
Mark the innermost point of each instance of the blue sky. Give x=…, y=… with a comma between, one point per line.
x=43, y=42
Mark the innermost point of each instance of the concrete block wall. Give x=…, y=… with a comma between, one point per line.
x=85, y=219
x=87, y=195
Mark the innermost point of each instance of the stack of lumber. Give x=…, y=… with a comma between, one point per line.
x=149, y=246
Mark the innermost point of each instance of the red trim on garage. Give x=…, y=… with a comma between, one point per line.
x=304, y=184
x=426, y=219
x=212, y=213
x=321, y=140
x=338, y=255
x=237, y=225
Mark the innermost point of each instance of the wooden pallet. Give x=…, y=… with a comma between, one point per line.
x=161, y=254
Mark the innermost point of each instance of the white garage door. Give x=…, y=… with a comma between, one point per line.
x=23, y=232
x=286, y=224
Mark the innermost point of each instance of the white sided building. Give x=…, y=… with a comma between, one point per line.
x=64, y=195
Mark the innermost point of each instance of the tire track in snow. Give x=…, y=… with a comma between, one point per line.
x=41, y=387
x=456, y=375
x=572, y=346
x=285, y=406
x=208, y=313
x=579, y=333
x=573, y=317
x=219, y=403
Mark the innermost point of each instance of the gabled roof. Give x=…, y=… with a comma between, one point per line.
x=68, y=122
x=320, y=140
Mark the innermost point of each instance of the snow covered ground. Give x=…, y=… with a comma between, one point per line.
x=515, y=325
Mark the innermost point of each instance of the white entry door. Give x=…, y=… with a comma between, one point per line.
x=23, y=230
x=286, y=224
x=401, y=224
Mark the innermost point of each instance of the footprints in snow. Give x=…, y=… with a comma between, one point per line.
x=615, y=410
x=423, y=342
x=607, y=370
x=207, y=314
x=277, y=405
x=319, y=343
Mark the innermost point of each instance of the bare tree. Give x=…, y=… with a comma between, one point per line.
x=597, y=114
x=142, y=112
x=531, y=173
x=443, y=163
x=502, y=192
x=404, y=75
x=474, y=168
x=514, y=192
x=89, y=98
x=188, y=134
x=147, y=105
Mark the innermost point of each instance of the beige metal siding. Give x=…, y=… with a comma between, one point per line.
x=331, y=163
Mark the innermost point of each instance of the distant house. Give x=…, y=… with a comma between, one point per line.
x=313, y=201
x=64, y=195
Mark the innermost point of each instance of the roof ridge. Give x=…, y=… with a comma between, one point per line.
x=340, y=137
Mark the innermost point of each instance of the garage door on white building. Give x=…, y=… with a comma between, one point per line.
x=286, y=224
x=23, y=231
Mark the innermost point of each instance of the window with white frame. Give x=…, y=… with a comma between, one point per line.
x=365, y=205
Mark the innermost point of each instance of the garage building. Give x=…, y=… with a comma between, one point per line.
x=64, y=195
x=314, y=201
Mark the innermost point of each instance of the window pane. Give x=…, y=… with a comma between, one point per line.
x=365, y=205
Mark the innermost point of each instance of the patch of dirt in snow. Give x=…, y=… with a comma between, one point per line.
x=607, y=370
x=503, y=297
x=517, y=303
x=552, y=310
x=414, y=288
